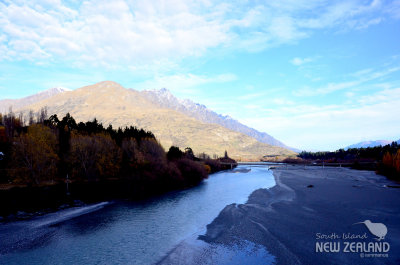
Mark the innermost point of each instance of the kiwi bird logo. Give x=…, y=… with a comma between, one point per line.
x=377, y=229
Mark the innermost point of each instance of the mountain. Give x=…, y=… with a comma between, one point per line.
x=5, y=104
x=366, y=144
x=113, y=104
x=165, y=99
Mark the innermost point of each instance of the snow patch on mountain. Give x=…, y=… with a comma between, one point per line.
x=164, y=98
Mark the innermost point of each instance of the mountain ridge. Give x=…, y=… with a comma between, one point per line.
x=5, y=104
x=164, y=98
x=371, y=143
x=113, y=104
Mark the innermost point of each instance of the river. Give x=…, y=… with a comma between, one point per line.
x=124, y=232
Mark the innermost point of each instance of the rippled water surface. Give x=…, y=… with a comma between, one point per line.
x=127, y=232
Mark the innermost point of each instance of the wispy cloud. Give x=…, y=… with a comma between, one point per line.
x=283, y=101
x=333, y=126
x=329, y=88
x=300, y=61
x=385, y=95
x=359, y=78
x=184, y=83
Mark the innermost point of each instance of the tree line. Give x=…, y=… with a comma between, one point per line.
x=48, y=149
x=386, y=158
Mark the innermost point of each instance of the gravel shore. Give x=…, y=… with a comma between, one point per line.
x=289, y=219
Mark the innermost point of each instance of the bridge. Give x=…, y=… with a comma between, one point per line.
x=252, y=164
x=260, y=163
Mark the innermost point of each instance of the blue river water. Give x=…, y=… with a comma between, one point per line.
x=124, y=232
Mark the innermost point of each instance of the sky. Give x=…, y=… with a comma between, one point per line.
x=317, y=75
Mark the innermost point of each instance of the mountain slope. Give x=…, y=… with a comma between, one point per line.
x=112, y=104
x=366, y=144
x=5, y=104
x=165, y=99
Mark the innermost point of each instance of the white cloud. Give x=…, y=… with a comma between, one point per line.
x=299, y=61
x=131, y=33
x=112, y=32
x=350, y=94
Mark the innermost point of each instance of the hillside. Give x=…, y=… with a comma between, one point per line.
x=112, y=104
x=164, y=98
x=5, y=104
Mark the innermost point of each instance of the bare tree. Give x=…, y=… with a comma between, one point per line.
x=31, y=118
x=94, y=156
x=42, y=115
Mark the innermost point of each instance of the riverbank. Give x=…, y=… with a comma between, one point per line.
x=20, y=202
x=305, y=203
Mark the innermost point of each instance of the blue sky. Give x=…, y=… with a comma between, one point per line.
x=314, y=74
